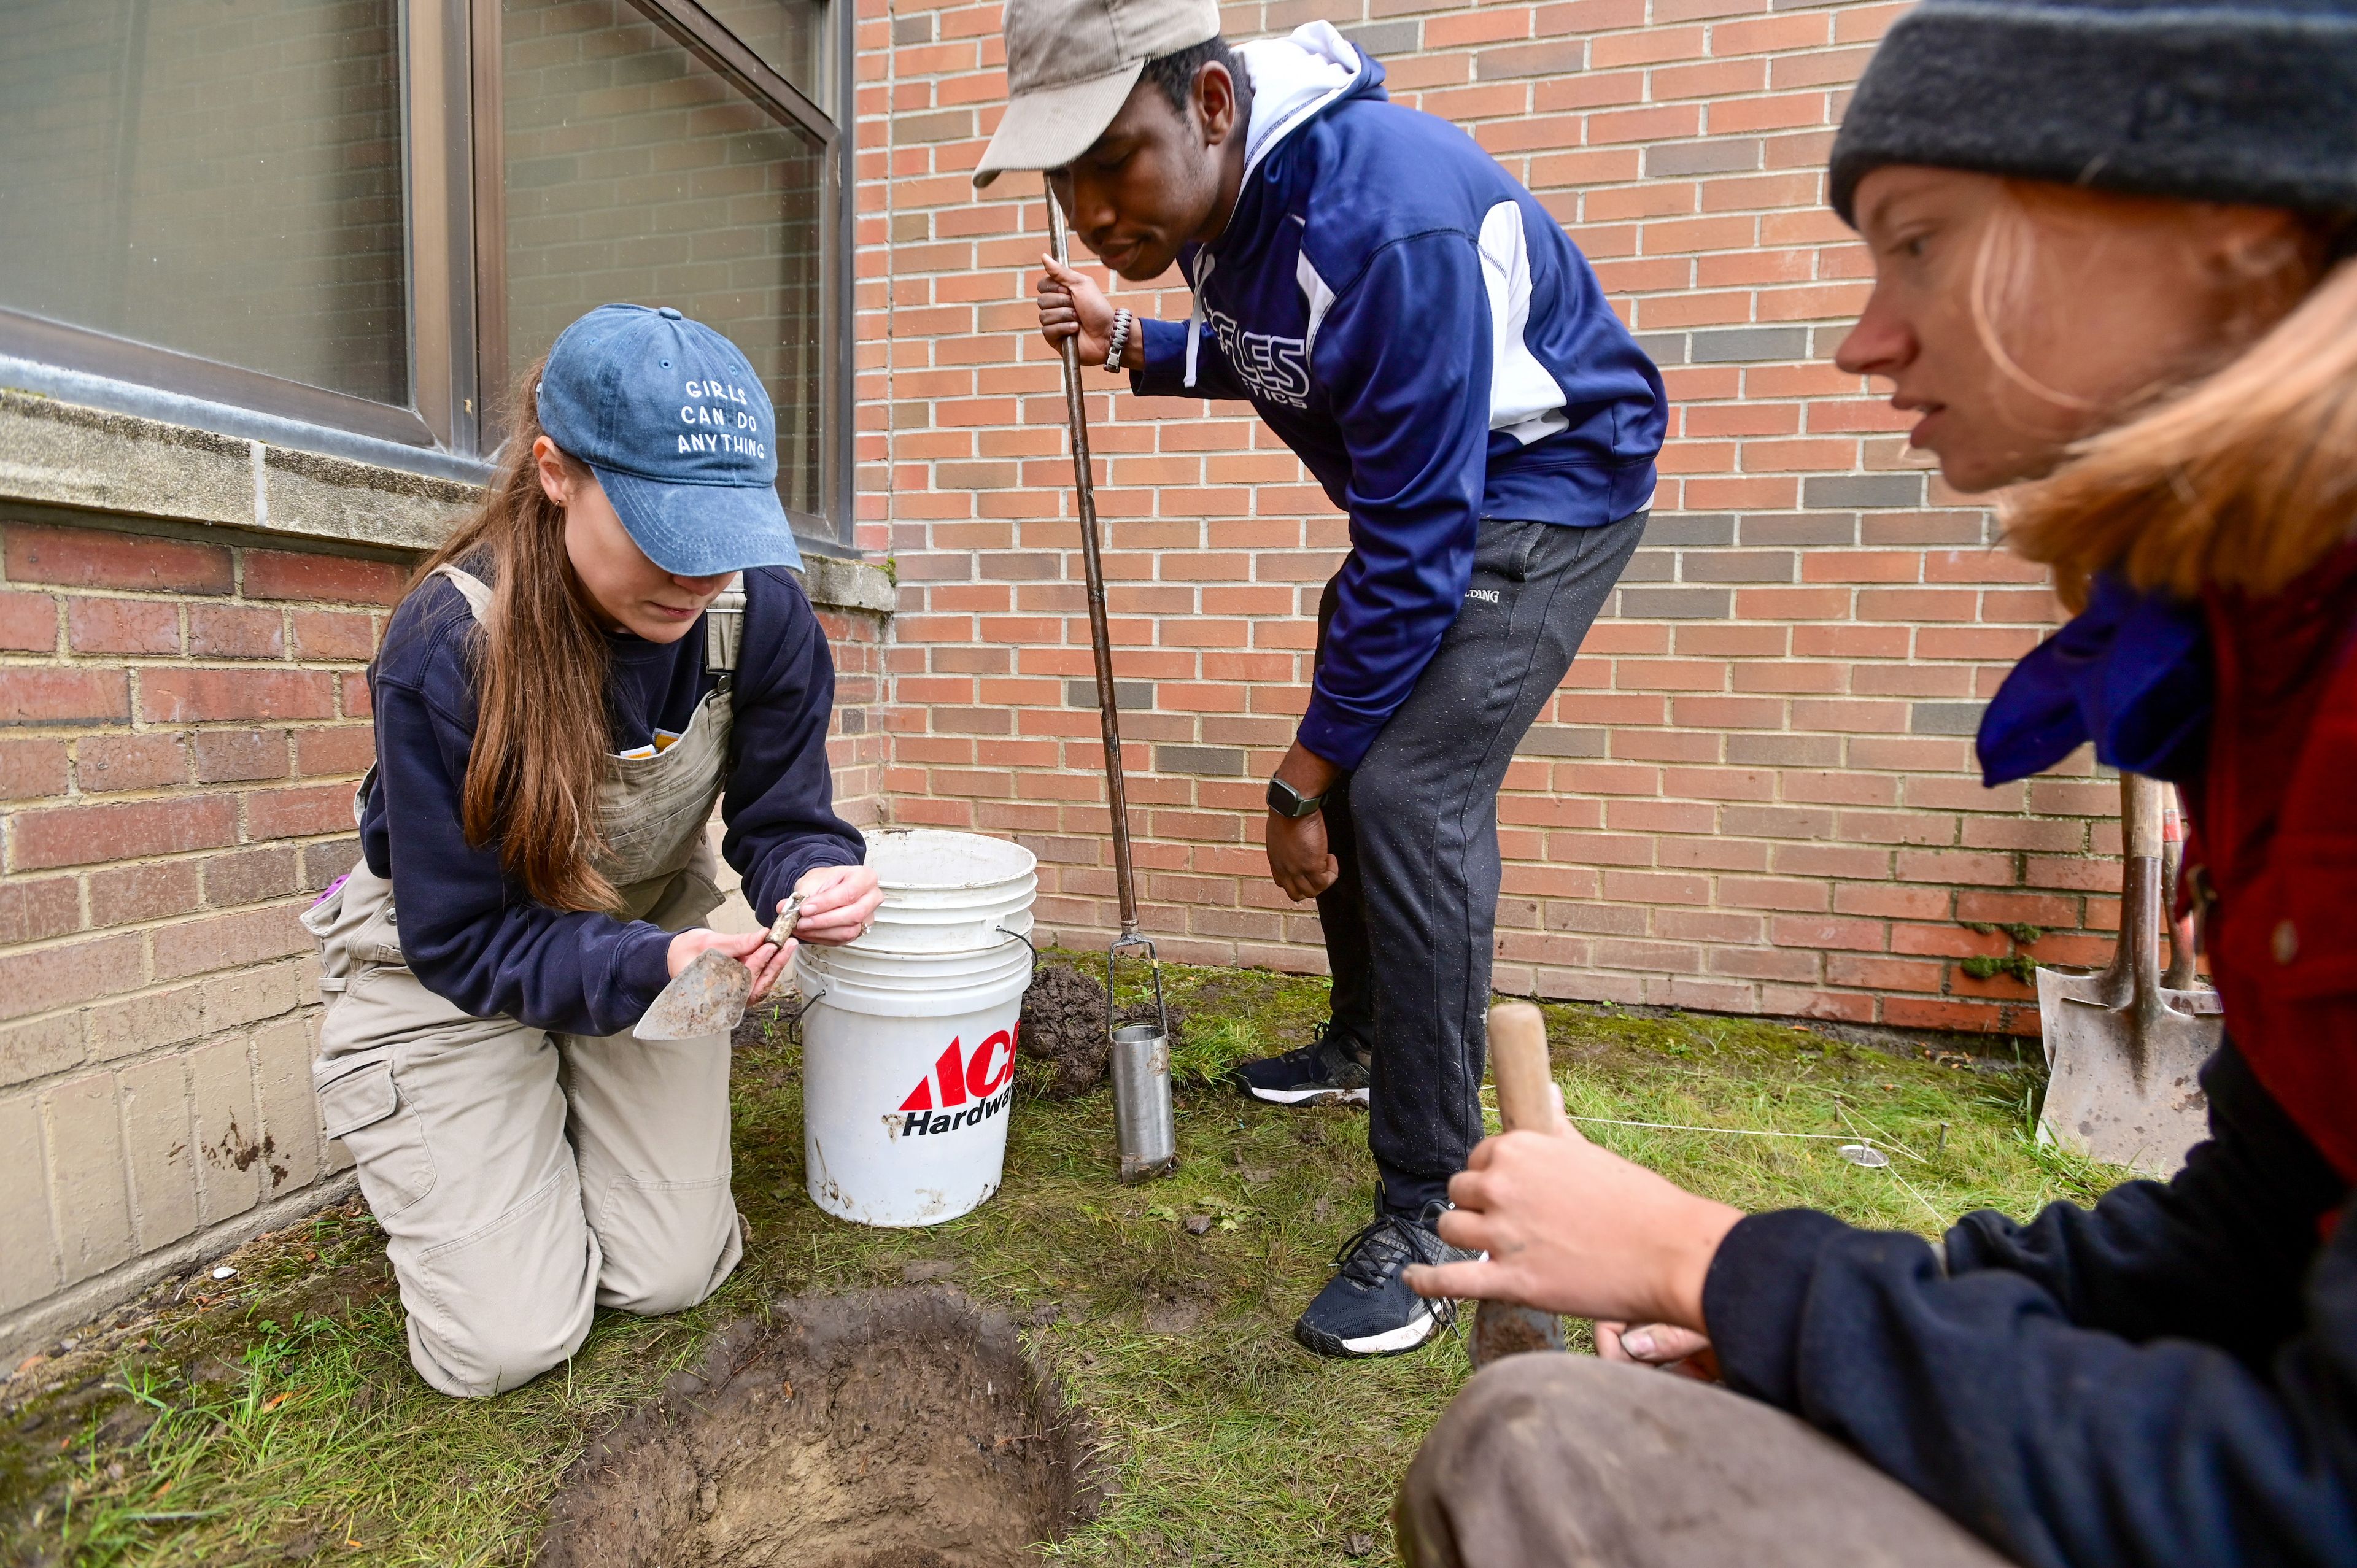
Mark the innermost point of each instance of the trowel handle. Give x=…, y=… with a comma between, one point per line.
x=1518, y=1061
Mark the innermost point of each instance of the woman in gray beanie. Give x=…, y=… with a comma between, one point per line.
x=2109, y=240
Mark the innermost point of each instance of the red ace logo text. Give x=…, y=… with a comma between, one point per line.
x=962, y=1091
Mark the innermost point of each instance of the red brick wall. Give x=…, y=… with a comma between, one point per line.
x=1755, y=791
x=185, y=725
x=859, y=741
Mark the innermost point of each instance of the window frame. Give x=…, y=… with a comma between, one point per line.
x=453, y=202
x=705, y=37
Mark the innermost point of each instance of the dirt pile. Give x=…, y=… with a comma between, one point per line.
x=884, y=1429
x=1065, y=1052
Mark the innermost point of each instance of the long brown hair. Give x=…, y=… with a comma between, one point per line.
x=541, y=734
x=2244, y=477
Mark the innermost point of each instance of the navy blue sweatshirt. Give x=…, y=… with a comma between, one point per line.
x=471, y=933
x=2169, y=1378
x=1425, y=336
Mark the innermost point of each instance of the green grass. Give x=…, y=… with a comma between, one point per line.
x=281, y=1417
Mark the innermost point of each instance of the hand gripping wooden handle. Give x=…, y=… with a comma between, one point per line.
x=1518, y=1061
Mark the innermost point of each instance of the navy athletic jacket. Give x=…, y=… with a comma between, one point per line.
x=471, y=933
x=1411, y=323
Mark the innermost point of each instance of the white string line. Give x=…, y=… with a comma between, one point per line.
x=1843, y=1110
x=1852, y=1136
x=1937, y=1217
x=1736, y=1131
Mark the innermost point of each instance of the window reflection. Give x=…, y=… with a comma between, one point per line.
x=221, y=178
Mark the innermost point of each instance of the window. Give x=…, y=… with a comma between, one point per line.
x=221, y=181
x=635, y=171
x=370, y=215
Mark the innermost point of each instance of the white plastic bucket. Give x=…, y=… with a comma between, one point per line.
x=909, y=1041
x=946, y=890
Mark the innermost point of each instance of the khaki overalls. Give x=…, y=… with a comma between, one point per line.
x=523, y=1177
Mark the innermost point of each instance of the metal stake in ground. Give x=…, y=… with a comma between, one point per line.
x=1518, y=1061
x=1143, y=1128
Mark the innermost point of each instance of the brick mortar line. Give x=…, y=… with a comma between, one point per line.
x=91, y=1067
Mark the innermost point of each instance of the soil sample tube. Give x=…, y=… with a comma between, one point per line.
x=1144, y=1129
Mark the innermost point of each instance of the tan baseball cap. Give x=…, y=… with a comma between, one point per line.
x=1069, y=67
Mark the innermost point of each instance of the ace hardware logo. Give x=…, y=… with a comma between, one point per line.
x=962, y=1091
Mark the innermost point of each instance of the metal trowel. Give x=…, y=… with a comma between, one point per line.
x=708, y=996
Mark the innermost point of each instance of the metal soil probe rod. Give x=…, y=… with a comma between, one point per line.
x=1143, y=1127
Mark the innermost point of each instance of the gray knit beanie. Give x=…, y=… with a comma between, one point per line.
x=2246, y=101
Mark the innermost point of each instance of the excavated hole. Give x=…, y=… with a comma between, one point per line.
x=883, y=1429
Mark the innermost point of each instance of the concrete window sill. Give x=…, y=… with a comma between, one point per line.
x=60, y=454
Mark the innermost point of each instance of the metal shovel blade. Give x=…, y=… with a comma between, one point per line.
x=707, y=997
x=2124, y=1047
x=2123, y=1084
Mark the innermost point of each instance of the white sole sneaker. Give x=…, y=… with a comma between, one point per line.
x=1408, y=1337
x=1312, y=1096
x=1390, y=1342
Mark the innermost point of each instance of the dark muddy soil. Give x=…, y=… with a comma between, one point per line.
x=1065, y=1050
x=884, y=1429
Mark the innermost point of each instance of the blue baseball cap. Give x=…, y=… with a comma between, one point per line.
x=669, y=416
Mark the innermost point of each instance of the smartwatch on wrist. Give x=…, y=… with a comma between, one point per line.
x=1287, y=801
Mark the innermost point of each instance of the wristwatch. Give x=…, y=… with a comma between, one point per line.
x=1287, y=801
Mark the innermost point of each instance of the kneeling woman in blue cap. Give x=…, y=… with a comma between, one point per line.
x=556, y=713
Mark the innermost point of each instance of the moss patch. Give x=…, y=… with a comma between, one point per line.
x=275, y=1416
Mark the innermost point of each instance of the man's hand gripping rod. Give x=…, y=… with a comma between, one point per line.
x=1143, y=1126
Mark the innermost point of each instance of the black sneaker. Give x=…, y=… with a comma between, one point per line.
x=1366, y=1309
x=1327, y=1071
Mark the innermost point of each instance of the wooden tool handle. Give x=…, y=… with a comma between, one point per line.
x=2140, y=816
x=1518, y=1061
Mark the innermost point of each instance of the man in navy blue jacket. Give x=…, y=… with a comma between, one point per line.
x=1416, y=327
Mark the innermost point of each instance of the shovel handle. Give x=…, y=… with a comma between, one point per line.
x=1518, y=1061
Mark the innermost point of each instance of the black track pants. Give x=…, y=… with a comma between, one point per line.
x=1409, y=923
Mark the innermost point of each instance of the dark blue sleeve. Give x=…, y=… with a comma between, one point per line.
x=779, y=803
x=2062, y=1443
x=1164, y=344
x=2217, y=1253
x=1402, y=357
x=471, y=934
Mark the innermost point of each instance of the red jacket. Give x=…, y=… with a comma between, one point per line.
x=2273, y=858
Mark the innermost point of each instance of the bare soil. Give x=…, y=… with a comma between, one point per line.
x=881, y=1429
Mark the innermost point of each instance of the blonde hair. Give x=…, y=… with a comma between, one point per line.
x=2241, y=474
